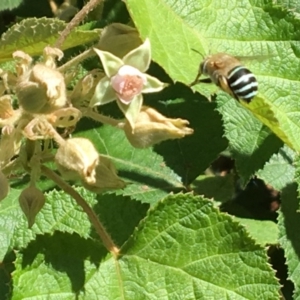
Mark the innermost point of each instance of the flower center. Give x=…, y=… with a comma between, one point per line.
x=128, y=83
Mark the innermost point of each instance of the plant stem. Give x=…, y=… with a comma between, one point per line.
x=101, y=118
x=76, y=20
x=76, y=60
x=104, y=236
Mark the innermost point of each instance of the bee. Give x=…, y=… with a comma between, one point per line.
x=230, y=75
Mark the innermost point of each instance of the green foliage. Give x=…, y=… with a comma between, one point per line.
x=32, y=35
x=168, y=254
x=196, y=218
x=9, y=4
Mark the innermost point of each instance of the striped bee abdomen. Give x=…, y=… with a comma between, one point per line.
x=242, y=83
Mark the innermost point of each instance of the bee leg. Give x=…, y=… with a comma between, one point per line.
x=225, y=87
x=205, y=80
x=197, y=80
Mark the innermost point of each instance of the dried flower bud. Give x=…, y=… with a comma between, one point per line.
x=106, y=177
x=85, y=88
x=152, y=127
x=44, y=90
x=10, y=143
x=64, y=117
x=50, y=55
x=4, y=186
x=31, y=202
x=128, y=83
x=6, y=109
x=76, y=159
x=23, y=62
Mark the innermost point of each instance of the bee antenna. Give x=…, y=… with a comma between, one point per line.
x=198, y=52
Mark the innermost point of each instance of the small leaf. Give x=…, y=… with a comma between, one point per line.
x=264, y=232
x=148, y=177
x=279, y=171
x=33, y=35
x=9, y=4
x=219, y=188
x=288, y=221
x=251, y=143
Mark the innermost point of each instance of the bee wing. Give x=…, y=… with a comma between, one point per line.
x=225, y=87
x=259, y=58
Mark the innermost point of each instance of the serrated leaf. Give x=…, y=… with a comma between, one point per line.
x=264, y=232
x=279, y=171
x=9, y=4
x=63, y=274
x=192, y=155
x=288, y=222
x=146, y=172
x=273, y=31
x=292, y=5
x=61, y=213
x=219, y=188
x=184, y=248
x=10, y=221
x=33, y=35
x=251, y=142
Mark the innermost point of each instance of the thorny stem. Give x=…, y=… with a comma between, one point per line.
x=101, y=118
x=104, y=236
x=76, y=20
x=76, y=60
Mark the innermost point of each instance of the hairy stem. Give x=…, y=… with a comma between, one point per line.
x=76, y=20
x=104, y=236
x=76, y=60
x=101, y=118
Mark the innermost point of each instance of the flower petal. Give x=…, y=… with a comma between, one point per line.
x=111, y=64
x=153, y=85
x=104, y=93
x=139, y=57
x=132, y=110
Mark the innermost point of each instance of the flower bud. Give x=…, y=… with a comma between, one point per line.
x=151, y=128
x=31, y=202
x=85, y=88
x=106, y=177
x=4, y=186
x=44, y=90
x=6, y=109
x=76, y=159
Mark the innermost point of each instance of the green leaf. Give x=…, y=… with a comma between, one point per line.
x=288, y=223
x=56, y=266
x=61, y=213
x=251, y=142
x=10, y=222
x=33, y=35
x=259, y=29
x=9, y=4
x=184, y=247
x=264, y=232
x=219, y=188
x=292, y=5
x=191, y=156
x=279, y=171
x=146, y=172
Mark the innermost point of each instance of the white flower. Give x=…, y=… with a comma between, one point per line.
x=125, y=81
